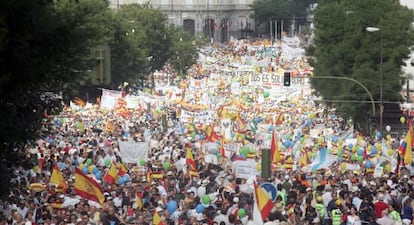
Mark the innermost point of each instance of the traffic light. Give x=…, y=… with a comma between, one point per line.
x=286, y=79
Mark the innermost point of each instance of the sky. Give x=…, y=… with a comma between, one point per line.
x=409, y=3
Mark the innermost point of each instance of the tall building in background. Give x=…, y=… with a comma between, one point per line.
x=218, y=19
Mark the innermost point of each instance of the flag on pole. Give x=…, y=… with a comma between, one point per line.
x=87, y=187
x=274, y=149
x=263, y=201
x=139, y=202
x=156, y=219
x=406, y=146
x=149, y=176
x=122, y=170
x=58, y=179
x=322, y=160
x=111, y=177
x=189, y=159
x=211, y=135
x=304, y=158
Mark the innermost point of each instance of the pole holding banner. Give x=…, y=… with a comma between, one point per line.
x=266, y=170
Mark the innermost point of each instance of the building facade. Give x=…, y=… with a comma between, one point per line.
x=218, y=19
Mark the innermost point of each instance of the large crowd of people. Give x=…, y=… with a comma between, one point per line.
x=89, y=138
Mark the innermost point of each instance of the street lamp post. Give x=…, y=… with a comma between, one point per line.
x=376, y=29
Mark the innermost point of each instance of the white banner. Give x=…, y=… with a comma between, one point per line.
x=203, y=116
x=134, y=102
x=274, y=79
x=245, y=169
x=132, y=152
x=109, y=98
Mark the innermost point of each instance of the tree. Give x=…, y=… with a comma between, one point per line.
x=144, y=42
x=141, y=44
x=44, y=49
x=184, y=50
x=343, y=48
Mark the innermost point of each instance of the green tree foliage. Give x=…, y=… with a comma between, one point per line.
x=141, y=43
x=184, y=50
x=44, y=47
x=344, y=48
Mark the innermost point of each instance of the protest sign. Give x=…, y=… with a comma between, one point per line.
x=132, y=152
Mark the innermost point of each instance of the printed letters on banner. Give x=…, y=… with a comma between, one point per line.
x=245, y=169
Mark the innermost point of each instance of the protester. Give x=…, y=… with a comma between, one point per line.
x=193, y=154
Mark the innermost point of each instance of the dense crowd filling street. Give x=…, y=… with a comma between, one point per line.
x=194, y=149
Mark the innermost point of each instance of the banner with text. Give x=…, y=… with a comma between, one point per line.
x=109, y=98
x=203, y=116
x=132, y=152
x=245, y=169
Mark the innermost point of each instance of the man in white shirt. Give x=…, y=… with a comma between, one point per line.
x=118, y=200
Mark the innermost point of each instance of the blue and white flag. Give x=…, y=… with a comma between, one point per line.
x=322, y=160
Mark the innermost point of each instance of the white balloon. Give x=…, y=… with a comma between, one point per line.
x=388, y=128
x=201, y=191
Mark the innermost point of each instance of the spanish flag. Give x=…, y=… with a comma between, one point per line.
x=122, y=170
x=156, y=219
x=262, y=200
x=87, y=187
x=149, y=176
x=58, y=179
x=406, y=146
x=211, y=135
x=274, y=149
x=111, y=176
x=139, y=202
x=191, y=163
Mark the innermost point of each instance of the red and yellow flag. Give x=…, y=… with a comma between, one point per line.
x=263, y=201
x=149, y=176
x=274, y=149
x=139, y=202
x=111, y=177
x=122, y=170
x=87, y=187
x=156, y=219
x=58, y=179
x=408, y=151
x=192, y=167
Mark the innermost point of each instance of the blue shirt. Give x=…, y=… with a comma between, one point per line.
x=407, y=212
